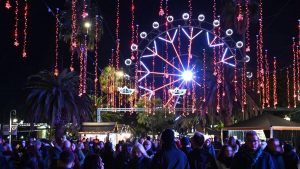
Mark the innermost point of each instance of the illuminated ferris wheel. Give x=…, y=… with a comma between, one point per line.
x=175, y=60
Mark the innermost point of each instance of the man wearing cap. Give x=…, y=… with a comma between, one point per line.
x=169, y=156
x=200, y=158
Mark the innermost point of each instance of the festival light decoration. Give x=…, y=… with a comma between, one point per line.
x=117, y=35
x=288, y=88
x=294, y=73
x=7, y=4
x=84, y=11
x=16, y=41
x=125, y=90
x=274, y=83
x=24, y=54
x=73, y=43
x=56, y=71
x=96, y=58
x=267, y=79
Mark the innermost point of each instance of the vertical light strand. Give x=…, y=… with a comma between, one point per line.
x=274, y=83
x=117, y=35
x=84, y=11
x=294, y=73
x=298, y=71
x=56, y=71
x=204, y=81
x=96, y=59
x=132, y=27
x=257, y=66
x=260, y=36
x=161, y=9
x=267, y=79
x=7, y=4
x=166, y=77
x=288, y=88
x=81, y=71
x=84, y=65
x=190, y=12
x=24, y=54
x=16, y=40
x=73, y=34
x=247, y=27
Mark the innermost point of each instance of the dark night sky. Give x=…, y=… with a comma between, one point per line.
x=280, y=25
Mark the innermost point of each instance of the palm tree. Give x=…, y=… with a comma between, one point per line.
x=54, y=99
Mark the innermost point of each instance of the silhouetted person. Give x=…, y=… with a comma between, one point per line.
x=275, y=150
x=93, y=161
x=140, y=158
x=66, y=160
x=225, y=157
x=290, y=157
x=186, y=145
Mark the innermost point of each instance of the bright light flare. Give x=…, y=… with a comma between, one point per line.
x=187, y=75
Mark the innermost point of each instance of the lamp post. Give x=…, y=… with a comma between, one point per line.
x=10, y=121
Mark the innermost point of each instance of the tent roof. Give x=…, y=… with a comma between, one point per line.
x=265, y=122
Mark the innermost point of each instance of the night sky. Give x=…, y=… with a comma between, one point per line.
x=280, y=25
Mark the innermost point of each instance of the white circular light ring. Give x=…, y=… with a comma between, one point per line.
x=229, y=32
x=170, y=19
x=216, y=23
x=247, y=58
x=239, y=44
x=155, y=25
x=185, y=16
x=143, y=35
x=128, y=62
x=134, y=47
x=249, y=75
x=201, y=18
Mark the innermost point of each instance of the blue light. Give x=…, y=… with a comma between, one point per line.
x=187, y=75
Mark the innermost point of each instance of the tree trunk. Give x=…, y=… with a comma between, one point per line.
x=227, y=120
x=59, y=132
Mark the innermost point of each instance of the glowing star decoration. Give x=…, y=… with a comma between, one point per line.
x=240, y=17
x=143, y=35
x=213, y=42
x=177, y=92
x=84, y=14
x=125, y=90
x=187, y=75
x=170, y=19
x=7, y=5
x=161, y=12
x=201, y=18
x=128, y=62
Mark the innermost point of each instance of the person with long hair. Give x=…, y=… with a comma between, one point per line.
x=140, y=158
x=225, y=157
x=93, y=161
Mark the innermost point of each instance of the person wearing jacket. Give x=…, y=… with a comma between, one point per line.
x=251, y=155
x=275, y=150
x=169, y=156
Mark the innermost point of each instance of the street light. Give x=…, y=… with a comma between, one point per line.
x=14, y=112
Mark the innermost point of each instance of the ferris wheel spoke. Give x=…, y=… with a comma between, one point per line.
x=164, y=59
x=159, y=73
x=176, y=52
x=168, y=84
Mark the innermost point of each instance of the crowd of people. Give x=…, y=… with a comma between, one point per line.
x=144, y=153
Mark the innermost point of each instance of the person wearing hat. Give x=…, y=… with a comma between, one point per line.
x=169, y=156
x=199, y=158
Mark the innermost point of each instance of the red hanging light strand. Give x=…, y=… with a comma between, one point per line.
x=274, y=83
x=294, y=73
x=84, y=64
x=24, y=54
x=132, y=27
x=288, y=88
x=257, y=65
x=190, y=12
x=247, y=27
x=84, y=11
x=96, y=58
x=117, y=35
x=73, y=35
x=267, y=79
x=16, y=41
x=56, y=71
x=161, y=9
x=81, y=71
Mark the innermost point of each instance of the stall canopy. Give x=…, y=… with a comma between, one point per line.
x=265, y=122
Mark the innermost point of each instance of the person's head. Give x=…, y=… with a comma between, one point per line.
x=138, y=151
x=252, y=141
x=185, y=142
x=197, y=139
x=141, y=140
x=101, y=144
x=63, y=138
x=66, y=159
x=274, y=145
x=119, y=147
x=226, y=152
x=7, y=147
x=23, y=143
x=288, y=148
x=93, y=161
x=232, y=141
x=73, y=146
x=207, y=142
x=37, y=144
x=147, y=145
x=66, y=145
x=167, y=138
x=216, y=139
